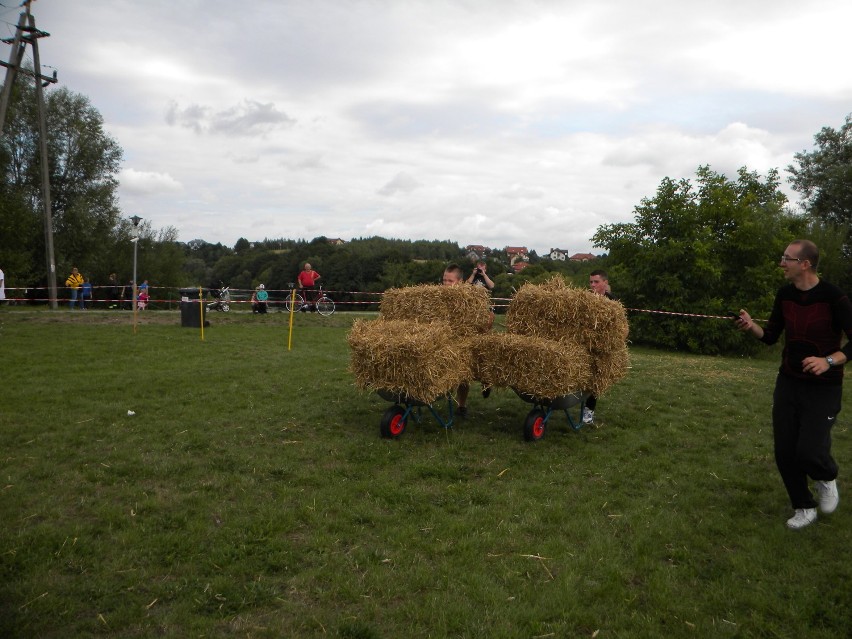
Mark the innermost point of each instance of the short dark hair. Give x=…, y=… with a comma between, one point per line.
x=807, y=251
x=601, y=273
x=455, y=269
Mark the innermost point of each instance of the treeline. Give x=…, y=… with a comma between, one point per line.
x=366, y=265
x=706, y=245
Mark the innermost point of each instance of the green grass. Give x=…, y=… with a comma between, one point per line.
x=251, y=495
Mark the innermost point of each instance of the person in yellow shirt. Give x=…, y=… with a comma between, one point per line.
x=74, y=282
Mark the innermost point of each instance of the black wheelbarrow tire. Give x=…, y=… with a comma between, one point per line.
x=393, y=425
x=534, y=426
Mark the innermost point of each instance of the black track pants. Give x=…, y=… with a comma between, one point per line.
x=802, y=417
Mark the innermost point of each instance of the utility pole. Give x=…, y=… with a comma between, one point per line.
x=26, y=33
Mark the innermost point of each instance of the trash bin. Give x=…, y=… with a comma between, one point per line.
x=191, y=308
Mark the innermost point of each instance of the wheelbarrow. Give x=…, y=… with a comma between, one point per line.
x=535, y=424
x=395, y=418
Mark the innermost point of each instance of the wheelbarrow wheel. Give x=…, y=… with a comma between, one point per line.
x=534, y=426
x=393, y=425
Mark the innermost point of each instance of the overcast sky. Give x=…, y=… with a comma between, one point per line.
x=495, y=122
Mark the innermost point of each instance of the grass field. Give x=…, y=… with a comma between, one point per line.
x=250, y=495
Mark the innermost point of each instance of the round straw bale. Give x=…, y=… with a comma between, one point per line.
x=421, y=361
x=466, y=308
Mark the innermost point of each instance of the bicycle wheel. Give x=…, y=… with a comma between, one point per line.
x=294, y=303
x=325, y=306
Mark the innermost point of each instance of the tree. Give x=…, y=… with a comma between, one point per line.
x=703, y=249
x=83, y=161
x=824, y=178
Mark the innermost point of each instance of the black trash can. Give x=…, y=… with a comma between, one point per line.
x=191, y=308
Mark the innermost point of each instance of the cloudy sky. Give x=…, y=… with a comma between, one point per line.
x=495, y=122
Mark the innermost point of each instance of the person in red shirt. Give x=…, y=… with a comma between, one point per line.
x=307, y=282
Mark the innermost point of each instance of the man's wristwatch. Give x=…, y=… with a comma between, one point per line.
x=830, y=361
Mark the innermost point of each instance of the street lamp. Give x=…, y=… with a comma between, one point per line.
x=135, y=219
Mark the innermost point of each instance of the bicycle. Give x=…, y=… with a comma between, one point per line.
x=324, y=305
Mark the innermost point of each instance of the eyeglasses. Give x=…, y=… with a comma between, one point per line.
x=787, y=258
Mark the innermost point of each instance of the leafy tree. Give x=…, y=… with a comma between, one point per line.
x=824, y=177
x=83, y=160
x=707, y=249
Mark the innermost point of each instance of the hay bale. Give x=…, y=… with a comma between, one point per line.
x=418, y=360
x=532, y=365
x=556, y=311
x=608, y=368
x=466, y=308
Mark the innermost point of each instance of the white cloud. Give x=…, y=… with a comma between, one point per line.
x=401, y=183
x=247, y=118
x=147, y=182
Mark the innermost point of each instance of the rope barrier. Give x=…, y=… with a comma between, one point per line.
x=497, y=302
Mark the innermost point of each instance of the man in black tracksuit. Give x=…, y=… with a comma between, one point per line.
x=814, y=315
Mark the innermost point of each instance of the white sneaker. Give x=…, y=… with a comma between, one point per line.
x=803, y=517
x=827, y=495
x=588, y=416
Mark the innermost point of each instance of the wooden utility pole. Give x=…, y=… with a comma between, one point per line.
x=16, y=57
x=26, y=33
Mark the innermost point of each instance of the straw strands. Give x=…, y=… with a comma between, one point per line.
x=466, y=308
x=553, y=310
x=429, y=339
x=532, y=365
x=421, y=361
x=608, y=368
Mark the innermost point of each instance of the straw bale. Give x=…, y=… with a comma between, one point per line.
x=533, y=365
x=466, y=308
x=608, y=368
x=556, y=311
x=418, y=360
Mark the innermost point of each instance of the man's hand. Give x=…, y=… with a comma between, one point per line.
x=815, y=365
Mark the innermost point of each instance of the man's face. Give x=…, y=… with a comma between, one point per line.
x=792, y=267
x=451, y=278
x=597, y=284
x=307, y=267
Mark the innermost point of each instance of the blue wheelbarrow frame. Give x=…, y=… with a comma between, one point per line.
x=395, y=418
x=535, y=424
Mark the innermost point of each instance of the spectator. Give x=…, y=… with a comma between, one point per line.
x=74, y=282
x=479, y=277
x=259, y=299
x=113, y=291
x=2, y=287
x=85, y=293
x=127, y=296
x=307, y=281
x=142, y=295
